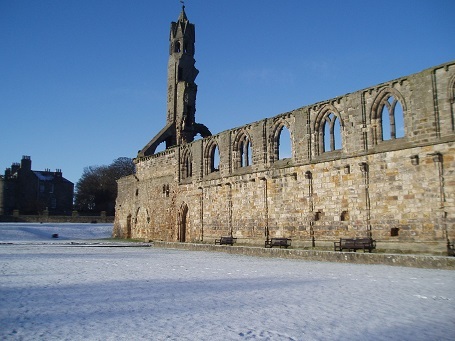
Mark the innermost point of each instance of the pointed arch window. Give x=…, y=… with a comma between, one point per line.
x=331, y=133
x=283, y=144
x=387, y=116
x=244, y=151
x=177, y=47
x=187, y=166
x=212, y=158
x=215, y=159
x=392, y=119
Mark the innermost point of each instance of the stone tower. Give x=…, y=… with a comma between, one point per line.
x=180, y=126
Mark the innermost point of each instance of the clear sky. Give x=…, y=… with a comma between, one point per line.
x=84, y=82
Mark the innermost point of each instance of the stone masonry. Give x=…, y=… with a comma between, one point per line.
x=378, y=162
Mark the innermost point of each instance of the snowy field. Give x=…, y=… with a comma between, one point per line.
x=52, y=290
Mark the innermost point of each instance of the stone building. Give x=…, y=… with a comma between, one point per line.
x=378, y=162
x=31, y=192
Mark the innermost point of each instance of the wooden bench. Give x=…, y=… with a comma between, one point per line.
x=354, y=244
x=225, y=241
x=281, y=242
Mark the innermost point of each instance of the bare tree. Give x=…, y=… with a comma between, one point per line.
x=96, y=190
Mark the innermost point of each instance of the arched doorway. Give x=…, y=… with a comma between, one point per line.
x=183, y=222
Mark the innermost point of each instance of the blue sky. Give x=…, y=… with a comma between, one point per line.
x=84, y=82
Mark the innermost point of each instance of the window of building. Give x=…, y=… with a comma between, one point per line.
x=187, y=165
x=387, y=116
x=245, y=152
x=211, y=157
x=177, y=47
x=392, y=120
x=331, y=133
x=214, y=159
x=284, y=144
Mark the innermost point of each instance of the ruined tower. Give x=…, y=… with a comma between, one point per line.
x=180, y=126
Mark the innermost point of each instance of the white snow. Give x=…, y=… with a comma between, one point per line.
x=51, y=289
x=27, y=232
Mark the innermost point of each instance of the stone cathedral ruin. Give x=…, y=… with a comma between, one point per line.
x=379, y=162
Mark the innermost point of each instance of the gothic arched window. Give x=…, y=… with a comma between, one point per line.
x=187, y=165
x=177, y=47
x=243, y=154
x=331, y=132
x=215, y=159
x=284, y=144
x=328, y=130
x=392, y=121
x=212, y=158
x=387, y=116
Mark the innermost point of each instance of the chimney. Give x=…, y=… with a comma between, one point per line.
x=26, y=163
x=15, y=167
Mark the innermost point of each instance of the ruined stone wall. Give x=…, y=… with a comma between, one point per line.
x=145, y=201
x=399, y=190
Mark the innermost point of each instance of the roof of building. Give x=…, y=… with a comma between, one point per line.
x=48, y=176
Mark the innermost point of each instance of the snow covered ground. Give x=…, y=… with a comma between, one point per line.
x=52, y=290
x=35, y=233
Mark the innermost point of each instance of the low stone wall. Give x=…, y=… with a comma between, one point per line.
x=417, y=261
x=55, y=219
